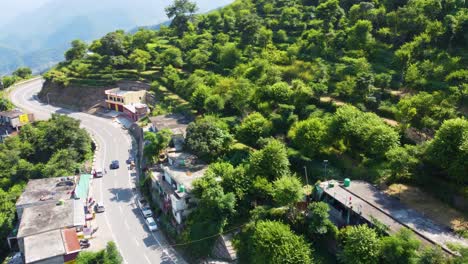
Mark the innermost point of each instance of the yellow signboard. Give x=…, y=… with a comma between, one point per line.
x=24, y=119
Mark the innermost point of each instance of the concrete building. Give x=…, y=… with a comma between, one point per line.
x=176, y=123
x=362, y=203
x=56, y=246
x=46, y=191
x=174, y=183
x=47, y=232
x=15, y=118
x=132, y=103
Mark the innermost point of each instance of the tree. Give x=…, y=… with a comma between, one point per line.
x=22, y=72
x=229, y=55
x=360, y=245
x=364, y=132
x=109, y=255
x=432, y=255
x=310, y=136
x=214, y=206
x=271, y=242
x=171, y=56
x=182, y=12
x=199, y=97
x=77, y=51
x=207, y=138
x=287, y=191
x=402, y=161
x=252, y=128
x=449, y=149
x=155, y=143
x=271, y=161
x=139, y=58
x=318, y=219
x=401, y=247
x=112, y=44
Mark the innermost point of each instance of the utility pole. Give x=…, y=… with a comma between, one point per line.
x=307, y=179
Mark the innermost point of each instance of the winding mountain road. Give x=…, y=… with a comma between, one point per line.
x=122, y=222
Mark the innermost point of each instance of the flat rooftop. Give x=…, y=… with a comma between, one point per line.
x=175, y=122
x=47, y=217
x=43, y=246
x=118, y=92
x=12, y=113
x=186, y=175
x=42, y=190
x=51, y=244
x=366, y=200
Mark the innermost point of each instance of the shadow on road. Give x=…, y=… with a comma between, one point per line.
x=121, y=194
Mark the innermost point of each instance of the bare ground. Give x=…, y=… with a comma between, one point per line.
x=422, y=202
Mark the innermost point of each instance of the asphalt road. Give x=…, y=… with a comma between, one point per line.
x=122, y=222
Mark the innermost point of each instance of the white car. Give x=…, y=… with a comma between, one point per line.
x=98, y=174
x=146, y=211
x=151, y=224
x=144, y=208
x=99, y=208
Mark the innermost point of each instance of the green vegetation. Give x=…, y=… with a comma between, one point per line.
x=57, y=147
x=20, y=74
x=277, y=86
x=109, y=255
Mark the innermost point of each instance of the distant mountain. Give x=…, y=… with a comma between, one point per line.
x=39, y=37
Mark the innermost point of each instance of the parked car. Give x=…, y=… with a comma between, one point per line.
x=98, y=173
x=130, y=160
x=144, y=207
x=99, y=208
x=114, y=164
x=151, y=224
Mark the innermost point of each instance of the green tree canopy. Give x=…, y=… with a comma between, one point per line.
x=271, y=242
x=208, y=138
x=310, y=136
x=22, y=72
x=449, y=149
x=252, y=128
x=287, y=191
x=271, y=161
x=77, y=51
x=360, y=245
x=400, y=248
x=181, y=12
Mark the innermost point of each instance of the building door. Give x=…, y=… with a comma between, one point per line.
x=120, y=108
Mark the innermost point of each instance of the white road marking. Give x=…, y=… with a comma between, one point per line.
x=136, y=241
x=121, y=210
x=147, y=259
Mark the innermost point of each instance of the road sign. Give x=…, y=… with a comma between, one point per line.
x=24, y=119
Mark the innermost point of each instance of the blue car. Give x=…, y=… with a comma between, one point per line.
x=114, y=165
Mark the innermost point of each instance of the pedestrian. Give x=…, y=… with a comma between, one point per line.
x=105, y=171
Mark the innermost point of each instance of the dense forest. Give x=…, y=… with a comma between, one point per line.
x=53, y=148
x=377, y=89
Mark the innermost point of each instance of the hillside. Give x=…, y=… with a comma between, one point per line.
x=277, y=86
x=48, y=29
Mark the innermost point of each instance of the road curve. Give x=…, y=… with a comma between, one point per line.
x=122, y=221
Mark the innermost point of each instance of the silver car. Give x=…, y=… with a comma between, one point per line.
x=151, y=224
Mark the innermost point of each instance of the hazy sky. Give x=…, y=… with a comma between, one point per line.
x=11, y=8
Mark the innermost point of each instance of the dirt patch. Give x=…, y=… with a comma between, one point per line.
x=391, y=122
x=420, y=201
x=76, y=97
x=327, y=99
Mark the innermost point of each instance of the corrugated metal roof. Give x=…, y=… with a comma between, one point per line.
x=81, y=190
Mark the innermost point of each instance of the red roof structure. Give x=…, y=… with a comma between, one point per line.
x=70, y=239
